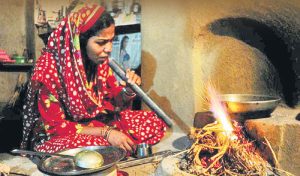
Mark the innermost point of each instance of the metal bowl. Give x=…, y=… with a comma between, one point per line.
x=250, y=105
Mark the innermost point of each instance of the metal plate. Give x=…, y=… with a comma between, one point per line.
x=66, y=166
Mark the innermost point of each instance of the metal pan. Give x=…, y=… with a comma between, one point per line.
x=250, y=105
x=65, y=166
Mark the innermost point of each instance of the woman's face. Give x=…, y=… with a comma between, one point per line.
x=99, y=47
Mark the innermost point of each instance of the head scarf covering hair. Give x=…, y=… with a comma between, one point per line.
x=60, y=69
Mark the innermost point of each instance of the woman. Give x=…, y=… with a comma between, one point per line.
x=73, y=93
x=124, y=56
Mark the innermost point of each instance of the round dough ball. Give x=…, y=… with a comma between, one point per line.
x=89, y=159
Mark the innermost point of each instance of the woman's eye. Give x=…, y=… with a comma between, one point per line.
x=102, y=42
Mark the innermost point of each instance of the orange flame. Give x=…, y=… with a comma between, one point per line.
x=219, y=111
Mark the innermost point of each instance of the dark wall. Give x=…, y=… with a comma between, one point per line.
x=283, y=51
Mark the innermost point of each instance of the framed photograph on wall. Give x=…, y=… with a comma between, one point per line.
x=127, y=50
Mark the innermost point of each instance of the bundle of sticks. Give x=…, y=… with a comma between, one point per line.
x=217, y=152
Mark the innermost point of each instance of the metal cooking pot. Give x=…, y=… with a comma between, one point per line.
x=250, y=105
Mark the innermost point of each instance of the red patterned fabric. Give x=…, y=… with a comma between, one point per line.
x=60, y=97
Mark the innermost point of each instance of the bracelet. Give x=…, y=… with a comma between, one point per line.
x=103, y=130
x=108, y=133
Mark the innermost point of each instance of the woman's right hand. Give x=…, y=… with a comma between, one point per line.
x=119, y=139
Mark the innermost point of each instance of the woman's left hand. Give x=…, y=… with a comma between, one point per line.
x=133, y=77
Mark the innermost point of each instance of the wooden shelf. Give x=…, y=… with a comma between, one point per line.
x=13, y=67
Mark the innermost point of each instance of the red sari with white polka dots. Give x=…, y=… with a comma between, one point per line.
x=140, y=126
x=60, y=101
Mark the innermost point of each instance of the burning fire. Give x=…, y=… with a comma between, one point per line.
x=219, y=110
x=221, y=148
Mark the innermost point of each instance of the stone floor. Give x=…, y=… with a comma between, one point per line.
x=174, y=140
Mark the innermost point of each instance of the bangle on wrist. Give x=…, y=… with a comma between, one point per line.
x=108, y=133
x=103, y=130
